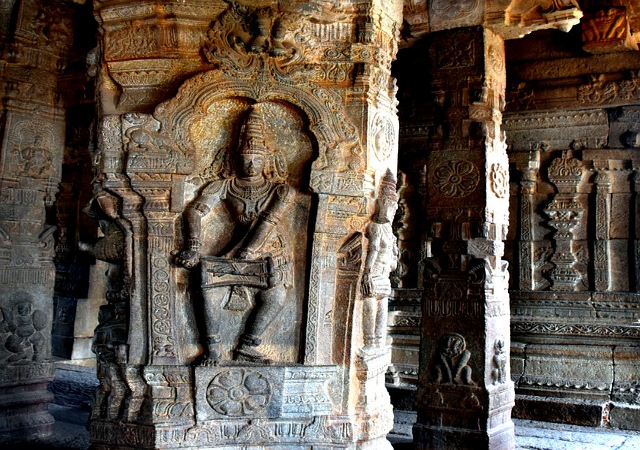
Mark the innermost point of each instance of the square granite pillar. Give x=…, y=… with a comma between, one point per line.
x=465, y=393
x=36, y=36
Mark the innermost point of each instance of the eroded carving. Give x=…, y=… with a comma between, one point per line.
x=450, y=365
x=21, y=328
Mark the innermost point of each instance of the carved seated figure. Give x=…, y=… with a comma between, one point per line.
x=255, y=205
x=451, y=365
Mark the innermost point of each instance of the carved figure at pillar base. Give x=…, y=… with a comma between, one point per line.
x=257, y=256
x=22, y=327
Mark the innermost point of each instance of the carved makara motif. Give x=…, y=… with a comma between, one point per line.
x=607, y=29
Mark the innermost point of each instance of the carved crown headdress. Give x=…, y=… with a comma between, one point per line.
x=387, y=189
x=252, y=141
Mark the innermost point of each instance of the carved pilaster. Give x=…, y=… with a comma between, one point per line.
x=565, y=211
x=601, y=249
x=635, y=257
x=526, y=245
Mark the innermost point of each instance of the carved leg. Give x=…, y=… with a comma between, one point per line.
x=137, y=386
x=268, y=304
x=212, y=314
x=118, y=390
x=382, y=315
x=369, y=319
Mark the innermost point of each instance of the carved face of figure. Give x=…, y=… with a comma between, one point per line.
x=24, y=308
x=251, y=164
x=452, y=345
x=386, y=210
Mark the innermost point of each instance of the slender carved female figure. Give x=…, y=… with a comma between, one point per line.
x=255, y=205
x=382, y=258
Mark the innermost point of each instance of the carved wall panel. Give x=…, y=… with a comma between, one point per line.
x=573, y=238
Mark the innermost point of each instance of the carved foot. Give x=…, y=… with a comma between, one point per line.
x=250, y=354
x=208, y=361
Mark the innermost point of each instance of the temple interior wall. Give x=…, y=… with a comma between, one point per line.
x=572, y=125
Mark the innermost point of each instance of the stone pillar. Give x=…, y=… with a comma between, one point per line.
x=465, y=393
x=246, y=159
x=526, y=246
x=36, y=36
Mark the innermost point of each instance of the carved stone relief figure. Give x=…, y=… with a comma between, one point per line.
x=257, y=255
x=382, y=256
x=21, y=329
x=499, y=373
x=451, y=364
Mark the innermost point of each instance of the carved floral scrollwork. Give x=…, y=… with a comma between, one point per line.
x=456, y=179
x=239, y=392
x=499, y=178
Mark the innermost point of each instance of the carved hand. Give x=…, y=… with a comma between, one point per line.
x=245, y=253
x=188, y=259
x=367, y=284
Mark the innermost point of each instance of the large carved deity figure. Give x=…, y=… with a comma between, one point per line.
x=382, y=258
x=257, y=255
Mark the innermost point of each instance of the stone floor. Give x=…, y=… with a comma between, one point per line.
x=70, y=434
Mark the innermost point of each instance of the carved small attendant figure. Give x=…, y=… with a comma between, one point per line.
x=255, y=204
x=451, y=364
x=382, y=257
x=499, y=373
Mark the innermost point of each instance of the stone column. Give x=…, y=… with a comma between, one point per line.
x=246, y=159
x=465, y=393
x=526, y=246
x=36, y=36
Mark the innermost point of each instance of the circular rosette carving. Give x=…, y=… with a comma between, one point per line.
x=456, y=179
x=239, y=392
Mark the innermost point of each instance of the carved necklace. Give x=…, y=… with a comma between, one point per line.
x=249, y=191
